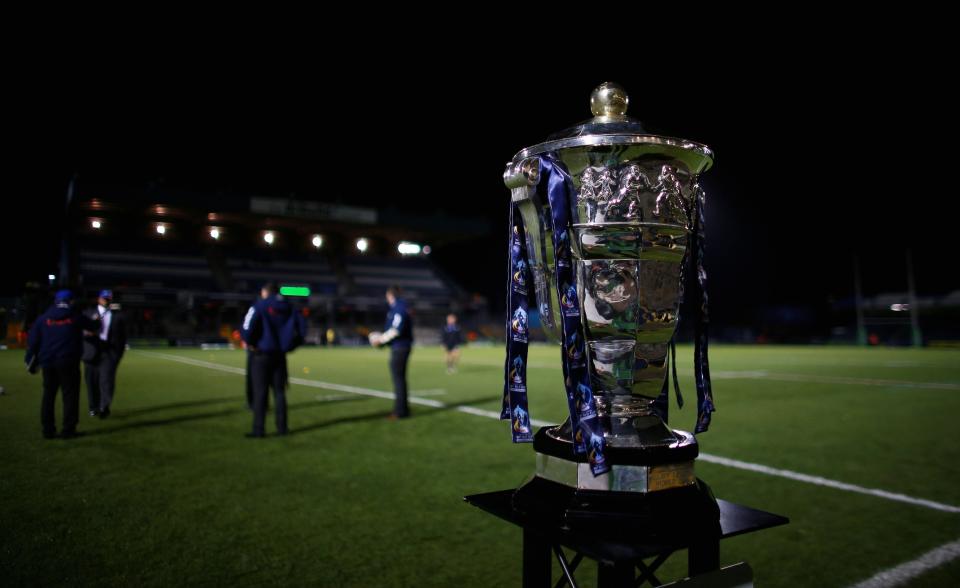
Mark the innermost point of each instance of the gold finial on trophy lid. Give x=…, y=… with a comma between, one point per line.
x=609, y=100
x=609, y=125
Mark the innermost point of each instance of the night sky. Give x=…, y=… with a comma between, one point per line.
x=816, y=160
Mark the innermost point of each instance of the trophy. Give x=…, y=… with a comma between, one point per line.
x=607, y=225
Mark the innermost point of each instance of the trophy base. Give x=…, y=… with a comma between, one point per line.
x=632, y=469
x=677, y=514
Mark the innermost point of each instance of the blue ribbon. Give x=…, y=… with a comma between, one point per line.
x=586, y=426
x=515, y=406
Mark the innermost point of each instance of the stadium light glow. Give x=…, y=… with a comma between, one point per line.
x=408, y=248
x=362, y=244
x=317, y=241
x=294, y=290
x=269, y=237
x=214, y=233
x=51, y=277
x=161, y=229
x=899, y=307
x=96, y=224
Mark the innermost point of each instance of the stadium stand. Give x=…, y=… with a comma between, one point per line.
x=183, y=285
x=419, y=279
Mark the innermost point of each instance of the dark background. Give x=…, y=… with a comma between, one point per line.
x=817, y=158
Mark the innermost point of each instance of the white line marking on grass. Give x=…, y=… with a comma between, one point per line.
x=312, y=383
x=818, y=481
x=905, y=572
x=902, y=364
x=736, y=375
x=814, y=379
x=430, y=392
x=716, y=459
x=499, y=364
x=333, y=397
x=779, y=376
x=196, y=362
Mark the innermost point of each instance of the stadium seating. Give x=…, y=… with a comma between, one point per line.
x=423, y=285
x=248, y=272
x=178, y=292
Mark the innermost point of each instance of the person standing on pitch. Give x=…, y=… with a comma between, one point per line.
x=54, y=345
x=102, y=353
x=249, y=378
x=398, y=332
x=451, y=342
x=271, y=329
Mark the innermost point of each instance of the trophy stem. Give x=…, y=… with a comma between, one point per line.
x=629, y=421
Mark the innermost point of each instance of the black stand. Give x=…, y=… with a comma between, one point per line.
x=620, y=546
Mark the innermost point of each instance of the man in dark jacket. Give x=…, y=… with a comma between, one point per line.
x=451, y=342
x=398, y=333
x=102, y=353
x=54, y=346
x=271, y=328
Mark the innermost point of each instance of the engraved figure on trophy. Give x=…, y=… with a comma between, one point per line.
x=626, y=204
x=588, y=193
x=670, y=202
x=606, y=183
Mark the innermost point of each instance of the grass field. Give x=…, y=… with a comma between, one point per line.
x=169, y=492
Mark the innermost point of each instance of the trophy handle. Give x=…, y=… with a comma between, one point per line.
x=522, y=179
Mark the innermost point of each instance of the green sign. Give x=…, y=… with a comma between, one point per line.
x=294, y=290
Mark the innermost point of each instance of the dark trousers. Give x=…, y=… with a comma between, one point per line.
x=398, y=371
x=66, y=377
x=268, y=370
x=101, y=377
x=249, y=380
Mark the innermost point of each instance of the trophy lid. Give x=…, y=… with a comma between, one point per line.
x=610, y=126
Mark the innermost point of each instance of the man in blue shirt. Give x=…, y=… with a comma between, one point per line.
x=451, y=342
x=398, y=333
x=271, y=328
x=54, y=345
x=249, y=380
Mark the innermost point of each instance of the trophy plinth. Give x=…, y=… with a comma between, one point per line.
x=687, y=510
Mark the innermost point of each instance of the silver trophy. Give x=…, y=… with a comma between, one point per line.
x=630, y=230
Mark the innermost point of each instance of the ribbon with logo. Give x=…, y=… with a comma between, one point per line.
x=586, y=427
x=515, y=406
